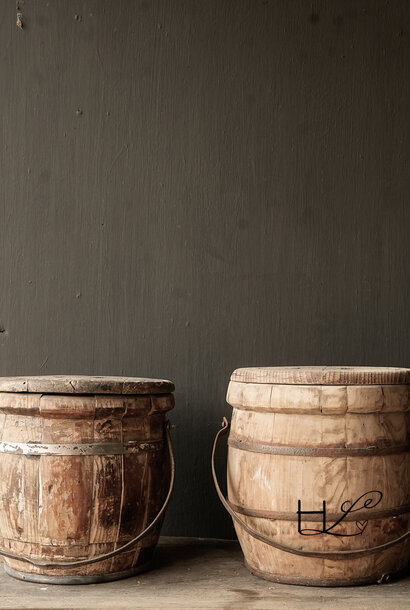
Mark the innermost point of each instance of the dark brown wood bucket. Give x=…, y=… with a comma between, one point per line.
x=86, y=473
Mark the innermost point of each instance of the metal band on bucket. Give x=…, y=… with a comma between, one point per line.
x=317, y=451
x=116, y=448
x=288, y=516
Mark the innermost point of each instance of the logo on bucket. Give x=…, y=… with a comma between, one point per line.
x=368, y=500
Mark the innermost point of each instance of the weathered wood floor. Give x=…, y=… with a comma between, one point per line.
x=197, y=573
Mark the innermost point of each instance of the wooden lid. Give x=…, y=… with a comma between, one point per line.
x=323, y=375
x=83, y=384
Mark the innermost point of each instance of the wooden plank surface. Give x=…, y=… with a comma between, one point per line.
x=85, y=384
x=322, y=375
x=198, y=573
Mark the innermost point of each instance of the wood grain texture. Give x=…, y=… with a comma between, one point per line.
x=278, y=456
x=85, y=384
x=192, y=186
x=67, y=507
x=326, y=400
x=322, y=375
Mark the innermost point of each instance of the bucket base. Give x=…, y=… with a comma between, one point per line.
x=327, y=582
x=77, y=579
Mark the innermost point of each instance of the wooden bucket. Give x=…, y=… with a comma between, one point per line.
x=86, y=473
x=319, y=473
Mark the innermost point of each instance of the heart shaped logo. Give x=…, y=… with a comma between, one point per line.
x=361, y=525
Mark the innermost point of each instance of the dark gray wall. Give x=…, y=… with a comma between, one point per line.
x=192, y=186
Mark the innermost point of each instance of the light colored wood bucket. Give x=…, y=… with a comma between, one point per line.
x=319, y=473
x=86, y=472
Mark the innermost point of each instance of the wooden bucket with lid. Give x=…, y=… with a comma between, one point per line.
x=86, y=473
x=319, y=472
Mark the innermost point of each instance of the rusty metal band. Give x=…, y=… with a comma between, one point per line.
x=77, y=579
x=116, y=448
x=327, y=582
x=317, y=451
x=353, y=516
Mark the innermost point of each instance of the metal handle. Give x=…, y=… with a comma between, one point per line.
x=283, y=547
x=124, y=547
